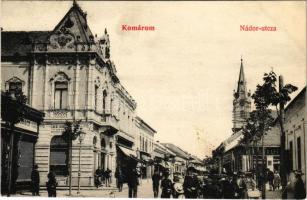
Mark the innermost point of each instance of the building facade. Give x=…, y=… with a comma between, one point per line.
x=145, y=146
x=67, y=73
x=296, y=138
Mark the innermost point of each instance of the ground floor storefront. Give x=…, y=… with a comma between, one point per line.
x=103, y=148
x=18, y=148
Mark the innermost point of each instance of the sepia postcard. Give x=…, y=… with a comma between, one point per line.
x=153, y=99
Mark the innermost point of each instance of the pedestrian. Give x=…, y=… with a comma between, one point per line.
x=271, y=179
x=51, y=184
x=156, y=183
x=191, y=185
x=97, y=177
x=35, y=181
x=227, y=189
x=235, y=186
x=119, y=178
x=107, y=176
x=299, y=187
x=277, y=180
x=166, y=186
x=133, y=182
x=242, y=187
x=178, y=192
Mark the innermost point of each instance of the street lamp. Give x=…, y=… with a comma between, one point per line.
x=81, y=138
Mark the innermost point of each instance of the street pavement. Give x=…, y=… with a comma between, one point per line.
x=144, y=191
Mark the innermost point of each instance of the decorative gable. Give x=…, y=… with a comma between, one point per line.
x=72, y=29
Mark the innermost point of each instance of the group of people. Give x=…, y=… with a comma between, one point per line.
x=273, y=179
x=194, y=186
x=102, y=177
x=189, y=188
x=51, y=184
x=215, y=186
x=209, y=186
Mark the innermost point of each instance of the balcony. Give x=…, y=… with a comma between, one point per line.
x=109, y=124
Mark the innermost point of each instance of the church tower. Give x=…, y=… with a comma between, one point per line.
x=241, y=102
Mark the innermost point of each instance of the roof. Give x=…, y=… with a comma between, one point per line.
x=232, y=141
x=20, y=42
x=296, y=98
x=160, y=147
x=271, y=139
x=178, y=151
x=75, y=20
x=145, y=124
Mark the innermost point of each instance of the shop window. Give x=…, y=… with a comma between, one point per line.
x=60, y=95
x=59, y=156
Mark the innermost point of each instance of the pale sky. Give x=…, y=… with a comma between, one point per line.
x=183, y=74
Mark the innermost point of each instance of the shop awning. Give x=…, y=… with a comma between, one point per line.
x=128, y=152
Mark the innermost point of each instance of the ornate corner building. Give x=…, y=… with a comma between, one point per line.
x=67, y=73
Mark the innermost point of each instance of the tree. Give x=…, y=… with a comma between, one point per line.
x=219, y=154
x=71, y=132
x=13, y=111
x=265, y=97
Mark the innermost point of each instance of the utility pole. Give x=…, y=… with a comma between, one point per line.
x=263, y=169
x=282, y=144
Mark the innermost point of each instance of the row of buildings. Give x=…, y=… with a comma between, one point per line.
x=67, y=75
x=234, y=157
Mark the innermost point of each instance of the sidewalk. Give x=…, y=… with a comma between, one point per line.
x=144, y=191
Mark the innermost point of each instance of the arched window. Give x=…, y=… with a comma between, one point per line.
x=60, y=86
x=104, y=97
x=59, y=156
x=103, y=143
x=60, y=95
x=94, y=141
x=14, y=85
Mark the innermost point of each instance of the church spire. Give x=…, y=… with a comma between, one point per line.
x=241, y=82
x=74, y=3
x=241, y=76
x=241, y=102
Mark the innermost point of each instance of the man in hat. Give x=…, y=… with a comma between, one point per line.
x=299, y=188
x=133, y=182
x=166, y=185
x=242, y=186
x=35, y=180
x=191, y=185
x=156, y=183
